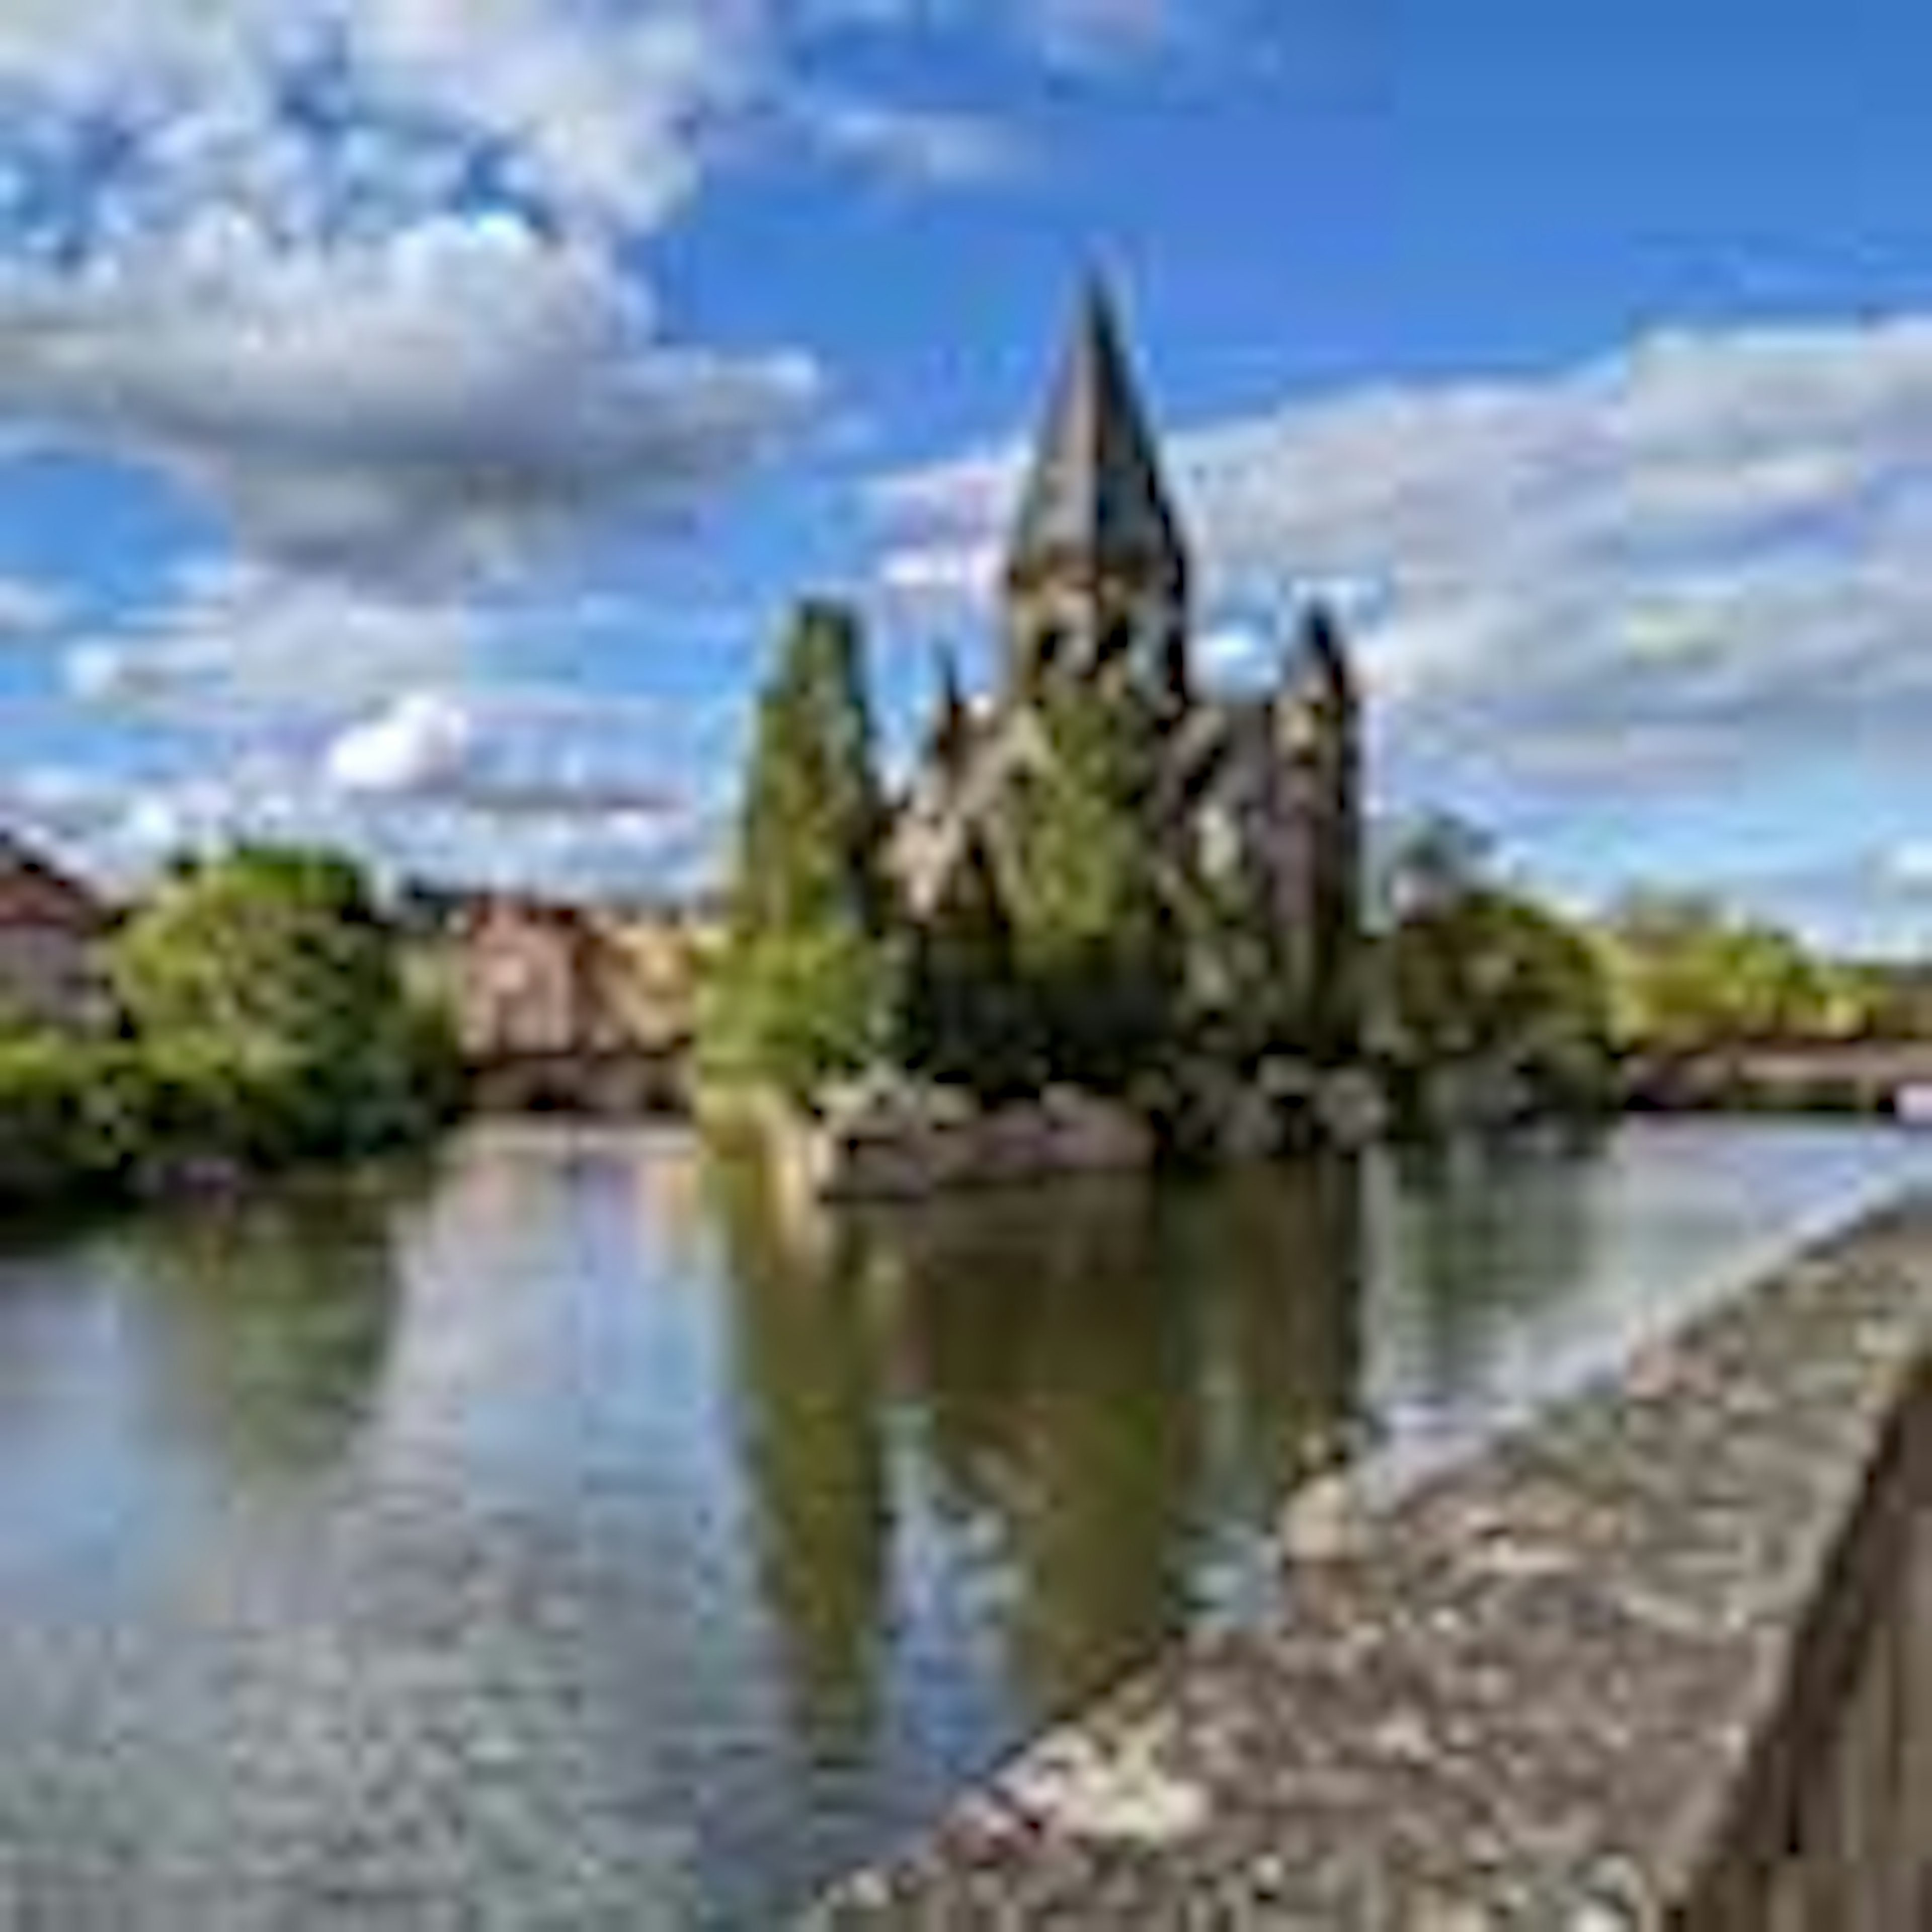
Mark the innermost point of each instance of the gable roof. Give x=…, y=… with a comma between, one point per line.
x=35, y=890
x=934, y=838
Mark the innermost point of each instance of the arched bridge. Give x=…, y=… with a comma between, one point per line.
x=1849, y=1076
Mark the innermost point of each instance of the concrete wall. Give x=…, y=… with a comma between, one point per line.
x=1832, y=1823
x=1663, y=1659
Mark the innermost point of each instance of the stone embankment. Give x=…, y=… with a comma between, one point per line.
x=899, y=1143
x=886, y=1137
x=1664, y=1659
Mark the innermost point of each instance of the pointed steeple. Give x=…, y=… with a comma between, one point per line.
x=1095, y=500
x=951, y=722
x=1323, y=659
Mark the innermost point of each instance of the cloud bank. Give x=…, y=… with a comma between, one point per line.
x=1683, y=582
x=1707, y=547
x=366, y=285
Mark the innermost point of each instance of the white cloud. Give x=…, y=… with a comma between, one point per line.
x=1238, y=652
x=441, y=401
x=953, y=571
x=364, y=275
x=924, y=147
x=608, y=117
x=121, y=824
x=536, y=754
x=1706, y=549
x=419, y=743
x=29, y=610
x=241, y=645
x=366, y=282
x=603, y=113
x=1081, y=33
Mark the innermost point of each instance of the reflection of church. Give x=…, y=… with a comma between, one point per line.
x=1086, y=1450
x=1255, y=809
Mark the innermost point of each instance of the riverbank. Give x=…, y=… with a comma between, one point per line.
x=889, y=1137
x=1873, y=1079
x=87, y=1124
x=556, y=1525
x=1662, y=1657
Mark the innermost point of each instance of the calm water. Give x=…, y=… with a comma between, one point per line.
x=563, y=1539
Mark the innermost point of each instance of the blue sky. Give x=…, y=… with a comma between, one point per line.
x=414, y=414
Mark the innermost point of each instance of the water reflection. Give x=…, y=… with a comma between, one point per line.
x=1090, y=1386
x=575, y=1533
x=1476, y=1237
x=266, y=1325
x=811, y=1428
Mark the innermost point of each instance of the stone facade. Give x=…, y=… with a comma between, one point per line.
x=889, y=1141
x=1256, y=805
x=534, y=979
x=51, y=931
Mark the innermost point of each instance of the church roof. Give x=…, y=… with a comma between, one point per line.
x=35, y=891
x=1095, y=493
x=1324, y=663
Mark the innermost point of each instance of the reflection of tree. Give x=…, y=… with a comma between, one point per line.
x=813, y=1438
x=272, y=1320
x=1106, y=1375
x=1052, y=1360
x=1279, y=1255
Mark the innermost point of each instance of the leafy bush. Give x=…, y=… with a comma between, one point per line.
x=1479, y=979
x=1688, y=972
x=51, y=1137
x=271, y=1028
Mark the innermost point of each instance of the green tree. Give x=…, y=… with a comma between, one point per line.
x=272, y=952
x=1093, y=943
x=271, y=972
x=1476, y=973
x=813, y=817
x=803, y=988
x=964, y=1017
x=1688, y=972
x=790, y=1010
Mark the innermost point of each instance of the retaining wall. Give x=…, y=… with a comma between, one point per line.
x=1662, y=1659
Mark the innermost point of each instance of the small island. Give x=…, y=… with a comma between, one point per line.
x=1112, y=916
x=1105, y=917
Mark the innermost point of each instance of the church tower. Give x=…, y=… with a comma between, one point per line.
x=1097, y=576
x=1319, y=873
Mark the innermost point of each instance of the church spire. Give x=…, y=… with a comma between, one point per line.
x=1097, y=571
x=1095, y=501
x=952, y=721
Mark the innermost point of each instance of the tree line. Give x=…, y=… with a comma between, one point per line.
x=1077, y=969
x=1070, y=970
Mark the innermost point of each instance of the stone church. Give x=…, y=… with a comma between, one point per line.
x=1255, y=807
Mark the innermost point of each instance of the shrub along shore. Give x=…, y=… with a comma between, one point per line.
x=266, y=1023
x=84, y=1122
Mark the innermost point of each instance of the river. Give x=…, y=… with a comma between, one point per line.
x=557, y=1536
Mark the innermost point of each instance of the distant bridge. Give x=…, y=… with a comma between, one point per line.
x=613, y=1083
x=1846, y=1076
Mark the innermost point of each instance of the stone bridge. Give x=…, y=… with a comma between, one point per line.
x=621, y=1083
x=1662, y=1659
x=1850, y=1076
